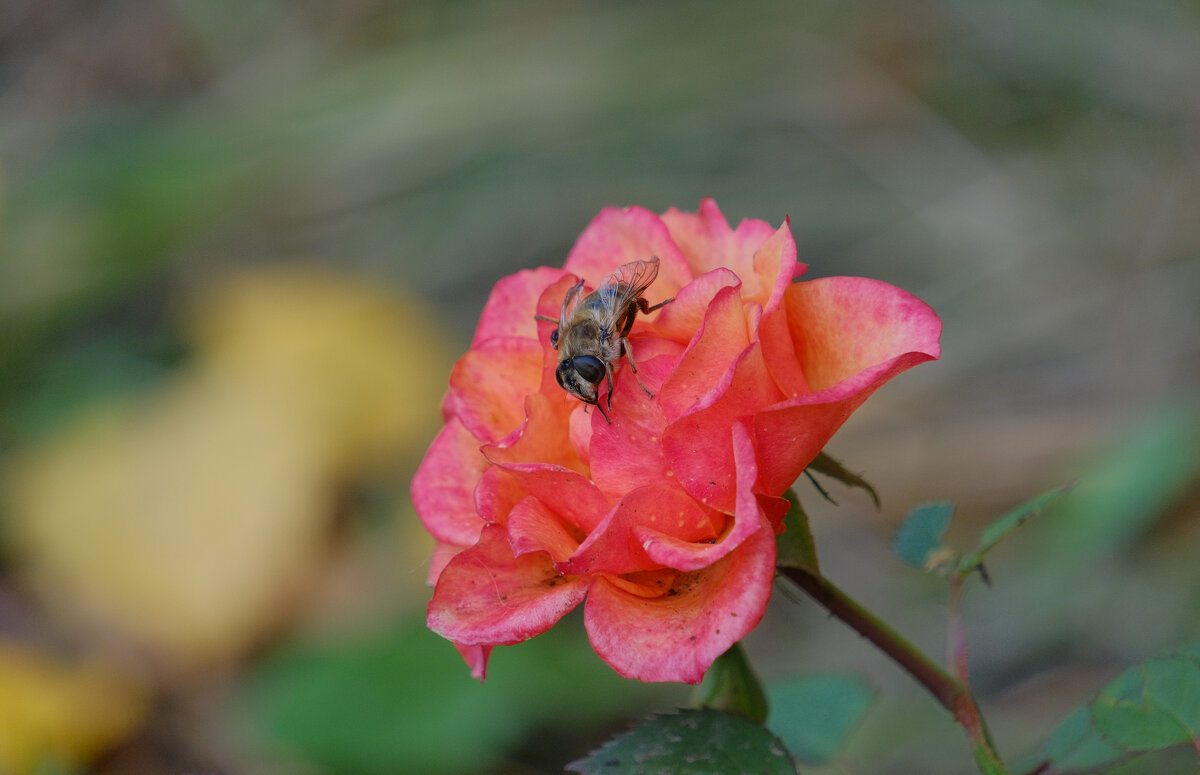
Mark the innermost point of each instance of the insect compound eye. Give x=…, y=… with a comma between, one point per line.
x=561, y=374
x=554, y=339
x=589, y=367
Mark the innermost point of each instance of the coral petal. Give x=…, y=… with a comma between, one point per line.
x=683, y=553
x=789, y=435
x=442, y=554
x=716, y=345
x=512, y=304
x=683, y=317
x=842, y=325
x=486, y=596
x=676, y=636
x=780, y=354
x=627, y=453
x=697, y=445
x=565, y=492
x=851, y=335
x=619, y=235
x=534, y=528
x=476, y=658
x=543, y=436
x=775, y=267
x=615, y=545
x=442, y=489
x=496, y=493
x=707, y=242
x=489, y=383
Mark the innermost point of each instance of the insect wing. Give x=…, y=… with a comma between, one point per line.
x=628, y=282
x=570, y=304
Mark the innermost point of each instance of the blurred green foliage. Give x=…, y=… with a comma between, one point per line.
x=402, y=700
x=1129, y=485
x=815, y=715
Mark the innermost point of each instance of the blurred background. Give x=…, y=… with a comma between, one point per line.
x=242, y=243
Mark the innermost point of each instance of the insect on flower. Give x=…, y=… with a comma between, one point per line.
x=593, y=330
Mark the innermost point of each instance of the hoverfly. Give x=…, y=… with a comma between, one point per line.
x=593, y=330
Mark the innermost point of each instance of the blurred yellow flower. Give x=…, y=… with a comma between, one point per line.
x=367, y=369
x=192, y=521
x=66, y=712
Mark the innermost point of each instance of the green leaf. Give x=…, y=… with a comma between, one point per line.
x=833, y=468
x=1077, y=745
x=794, y=547
x=693, y=742
x=1004, y=526
x=1144, y=710
x=920, y=535
x=1151, y=706
x=731, y=685
x=815, y=715
x=1001, y=528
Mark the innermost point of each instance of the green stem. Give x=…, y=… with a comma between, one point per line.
x=948, y=690
x=958, y=659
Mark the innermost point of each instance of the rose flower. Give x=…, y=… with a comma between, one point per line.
x=662, y=512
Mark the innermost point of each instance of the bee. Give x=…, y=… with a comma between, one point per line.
x=593, y=331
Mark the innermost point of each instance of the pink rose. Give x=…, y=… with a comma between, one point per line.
x=664, y=519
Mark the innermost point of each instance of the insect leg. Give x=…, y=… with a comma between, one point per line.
x=608, y=375
x=629, y=354
x=645, y=307
x=554, y=333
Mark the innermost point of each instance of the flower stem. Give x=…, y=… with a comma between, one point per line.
x=951, y=692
